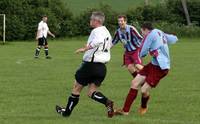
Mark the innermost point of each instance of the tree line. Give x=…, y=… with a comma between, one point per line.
x=22, y=17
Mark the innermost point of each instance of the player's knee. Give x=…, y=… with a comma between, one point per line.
x=145, y=89
x=39, y=47
x=135, y=84
x=131, y=68
x=139, y=67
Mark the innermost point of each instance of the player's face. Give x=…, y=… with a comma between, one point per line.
x=94, y=23
x=45, y=19
x=122, y=23
x=144, y=31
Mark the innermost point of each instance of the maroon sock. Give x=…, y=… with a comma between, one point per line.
x=144, y=101
x=134, y=74
x=130, y=99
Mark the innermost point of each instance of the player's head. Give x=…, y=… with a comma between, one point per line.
x=122, y=20
x=44, y=18
x=146, y=28
x=97, y=19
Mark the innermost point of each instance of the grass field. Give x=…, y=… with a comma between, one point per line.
x=77, y=6
x=30, y=88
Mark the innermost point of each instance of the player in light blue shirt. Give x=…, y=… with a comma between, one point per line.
x=155, y=43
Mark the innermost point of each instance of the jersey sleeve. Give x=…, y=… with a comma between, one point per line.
x=146, y=44
x=47, y=27
x=171, y=39
x=115, y=38
x=136, y=33
x=39, y=26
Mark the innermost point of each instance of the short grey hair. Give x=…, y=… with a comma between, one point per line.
x=97, y=15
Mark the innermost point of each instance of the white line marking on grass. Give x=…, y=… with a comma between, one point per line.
x=20, y=61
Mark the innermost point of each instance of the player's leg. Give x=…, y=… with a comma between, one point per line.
x=46, y=49
x=38, y=48
x=132, y=70
x=135, y=85
x=129, y=63
x=82, y=78
x=155, y=74
x=137, y=62
x=73, y=100
x=132, y=94
x=99, y=97
x=98, y=71
x=145, y=89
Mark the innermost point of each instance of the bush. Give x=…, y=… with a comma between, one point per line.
x=23, y=16
x=82, y=21
x=180, y=29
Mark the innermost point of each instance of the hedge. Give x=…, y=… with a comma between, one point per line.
x=23, y=16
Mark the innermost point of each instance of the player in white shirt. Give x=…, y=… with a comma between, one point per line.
x=92, y=70
x=41, y=37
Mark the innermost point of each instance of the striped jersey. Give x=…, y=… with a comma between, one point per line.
x=129, y=37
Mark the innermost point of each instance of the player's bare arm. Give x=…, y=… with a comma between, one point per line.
x=83, y=49
x=37, y=35
x=49, y=32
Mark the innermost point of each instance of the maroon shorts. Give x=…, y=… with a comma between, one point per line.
x=132, y=58
x=153, y=74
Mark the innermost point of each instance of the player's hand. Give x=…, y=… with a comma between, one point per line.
x=36, y=38
x=81, y=50
x=53, y=36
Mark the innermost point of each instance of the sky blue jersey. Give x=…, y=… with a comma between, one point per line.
x=156, y=44
x=130, y=38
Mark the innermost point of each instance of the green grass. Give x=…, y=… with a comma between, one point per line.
x=77, y=6
x=30, y=88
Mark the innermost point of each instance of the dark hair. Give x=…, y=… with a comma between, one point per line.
x=147, y=25
x=123, y=16
x=44, y=16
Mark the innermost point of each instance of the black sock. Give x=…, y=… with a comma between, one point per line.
x=37, y=51
x=99, y=97
x=46, y=51
x=72, y=102
x=144, y=101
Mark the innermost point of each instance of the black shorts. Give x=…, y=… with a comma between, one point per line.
x=91, y=73
x=42, y=41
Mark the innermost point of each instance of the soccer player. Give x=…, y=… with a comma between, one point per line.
x=41, y=37
x=131, y=39
x=93, y=69
x=155, y=43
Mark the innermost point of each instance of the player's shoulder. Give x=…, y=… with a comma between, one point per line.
x=131, y=27
x=100, y=29
x=40, y=23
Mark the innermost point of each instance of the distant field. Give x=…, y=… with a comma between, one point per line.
x=30, y=88
x=78, y=6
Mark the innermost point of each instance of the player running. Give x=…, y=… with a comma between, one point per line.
x=131, y=39
x=41, y=37
x=155, y=43
x=92, y=70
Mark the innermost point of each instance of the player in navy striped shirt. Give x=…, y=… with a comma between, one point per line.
x=131, y=39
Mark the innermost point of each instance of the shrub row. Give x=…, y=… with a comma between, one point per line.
x=22, y=17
